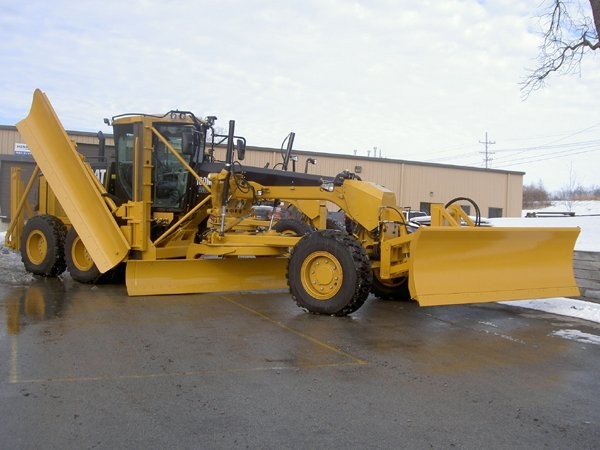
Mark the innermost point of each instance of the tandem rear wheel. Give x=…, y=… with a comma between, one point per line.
x=47, y=249
x=329, y=273
x=42, y=246
x=80, y=265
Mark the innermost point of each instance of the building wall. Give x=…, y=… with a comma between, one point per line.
x=489, y=189
x=9, y=136
x=87, y=144
x=414, y=183
x=6, y=164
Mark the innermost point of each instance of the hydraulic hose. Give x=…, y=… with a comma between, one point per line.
x=472, y=202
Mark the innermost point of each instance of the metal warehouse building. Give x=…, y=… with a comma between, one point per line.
x=416, y=184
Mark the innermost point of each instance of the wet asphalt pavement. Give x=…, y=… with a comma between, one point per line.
x=88, y=367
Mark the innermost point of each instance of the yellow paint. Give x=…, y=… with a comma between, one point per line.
x=452, y=265
x=186, y=276
x=73, y=184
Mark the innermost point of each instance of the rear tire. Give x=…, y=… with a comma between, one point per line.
x=394, y=289
x=42, y=246
x=329, y=273
x=292, y=227
x=79, y=263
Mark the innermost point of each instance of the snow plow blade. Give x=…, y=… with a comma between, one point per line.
x=73, y=184
x=189, y=276
x=450, y=266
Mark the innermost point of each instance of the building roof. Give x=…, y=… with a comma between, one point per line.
x=109, y=136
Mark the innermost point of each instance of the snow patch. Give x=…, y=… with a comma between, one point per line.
x=579, y=336
x=562, y=306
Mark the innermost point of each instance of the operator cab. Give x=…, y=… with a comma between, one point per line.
x=173, y=139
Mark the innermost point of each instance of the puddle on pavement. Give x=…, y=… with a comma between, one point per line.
x=44, y=299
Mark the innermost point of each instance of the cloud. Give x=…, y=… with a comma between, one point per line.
x=419, y=80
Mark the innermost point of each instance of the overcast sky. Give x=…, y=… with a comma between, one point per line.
x=419, y=80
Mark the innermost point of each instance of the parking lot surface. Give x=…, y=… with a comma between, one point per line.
x=88, y=367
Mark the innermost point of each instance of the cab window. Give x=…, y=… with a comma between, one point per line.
x=170, y=175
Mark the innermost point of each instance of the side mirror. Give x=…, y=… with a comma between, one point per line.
x=101, y=146
x=241, y=149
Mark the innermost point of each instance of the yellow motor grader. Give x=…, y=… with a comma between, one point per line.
x=181, y=221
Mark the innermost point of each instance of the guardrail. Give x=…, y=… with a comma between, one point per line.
x=586, y=267
x=550, y=214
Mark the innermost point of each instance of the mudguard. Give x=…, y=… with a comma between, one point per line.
x=474, y=265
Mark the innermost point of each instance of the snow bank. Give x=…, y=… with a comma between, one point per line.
x=587, y=217
x=12, y=271
x=589, y=237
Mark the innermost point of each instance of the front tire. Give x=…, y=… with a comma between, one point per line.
x=79, y=262
x=332, y=224
x=394, y=289
x=292, y=227
x=329, y=273
x=42, y=246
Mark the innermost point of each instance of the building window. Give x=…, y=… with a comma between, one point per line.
x=494, y=212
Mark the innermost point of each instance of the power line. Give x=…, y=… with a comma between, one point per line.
x=548, y=146
x=560, y=136
x=446, y=158
x=517, y=151
x=561, y=154
x=554, y=147
x=487, y=153
x=559, y=150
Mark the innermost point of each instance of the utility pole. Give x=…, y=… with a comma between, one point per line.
x=487, y=153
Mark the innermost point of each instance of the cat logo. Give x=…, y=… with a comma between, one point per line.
x=100, y=174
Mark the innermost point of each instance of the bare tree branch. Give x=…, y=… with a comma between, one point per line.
x=565, y=42
x=595, y=4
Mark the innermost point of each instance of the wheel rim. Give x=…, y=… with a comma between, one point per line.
x=321, y=275
x=37, y=247
x=80, y=256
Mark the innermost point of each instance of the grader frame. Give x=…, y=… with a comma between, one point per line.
x=204, y=239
